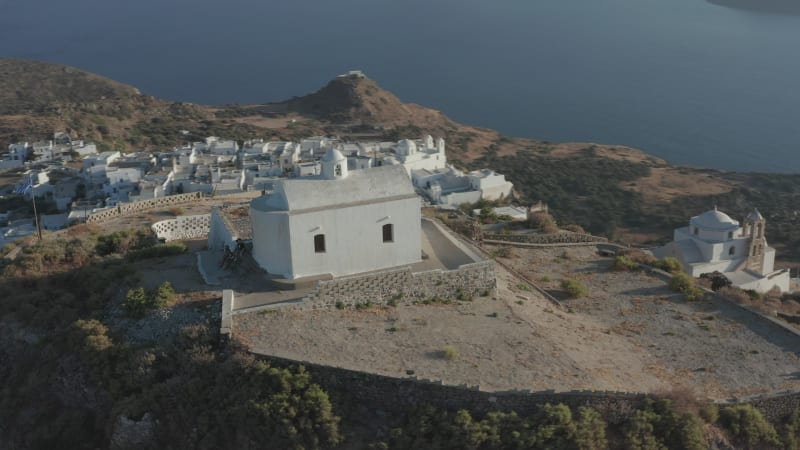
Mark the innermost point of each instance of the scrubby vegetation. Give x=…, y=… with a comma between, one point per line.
x=73, y=374
x=574, y=288
x=686, y=285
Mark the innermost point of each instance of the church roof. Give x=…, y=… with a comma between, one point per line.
x=360, y=186
x=714, y=220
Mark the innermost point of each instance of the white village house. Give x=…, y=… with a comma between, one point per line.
x=713, y=241
x=337, y=223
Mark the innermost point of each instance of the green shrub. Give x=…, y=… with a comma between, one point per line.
x=669, y=264
x=574, y=288
x=164, y=295
x=136, y=303
x=339, y=305
x=748, y=426
x=449, y=352
x=623, y=263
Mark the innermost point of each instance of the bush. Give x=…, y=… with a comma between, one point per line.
x=747, y=425
x=543, y=222
x=623, y=263
x=574, y=288
x=669, y=264
x=449, y=352
x=164, y=295
x=685, y=284
x=136, y=303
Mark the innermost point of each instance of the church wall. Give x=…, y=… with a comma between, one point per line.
x=780, y=280
x=271, y=239
x=354, y=240
x=769, y=260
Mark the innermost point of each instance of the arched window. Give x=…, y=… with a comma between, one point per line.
x=732, y=250
x=759, y=230
x=730, y=234
x=388, y=233
x=319, y=243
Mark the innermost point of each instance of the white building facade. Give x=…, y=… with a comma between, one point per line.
x=713, y=241
x=337, y=223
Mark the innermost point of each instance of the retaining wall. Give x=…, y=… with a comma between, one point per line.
x=401, y=286
x=399, y=395
x=144, y=205
x=183, y=227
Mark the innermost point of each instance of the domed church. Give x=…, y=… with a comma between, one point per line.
x=714, y=241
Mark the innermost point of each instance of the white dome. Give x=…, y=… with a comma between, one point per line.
x=333, y=155
x=714, y=220
x=334, y=165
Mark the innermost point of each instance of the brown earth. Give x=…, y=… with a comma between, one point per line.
x=631, y=333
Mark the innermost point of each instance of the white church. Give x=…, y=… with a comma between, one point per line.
x=713, y=241
x=337, y=223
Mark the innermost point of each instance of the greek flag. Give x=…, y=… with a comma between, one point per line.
x=23, y=188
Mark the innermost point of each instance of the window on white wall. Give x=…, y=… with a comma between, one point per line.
x=319, y=243
x=732, y=251
x=388, y=233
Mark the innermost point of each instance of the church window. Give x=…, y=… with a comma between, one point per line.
x=319, y=243
x=338, y=170
x=758, y=230
x=730, y=234
x=732, y=251
x=696, y=231
x=388, y=233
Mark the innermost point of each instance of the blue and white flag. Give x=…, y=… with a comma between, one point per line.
x=23, y=188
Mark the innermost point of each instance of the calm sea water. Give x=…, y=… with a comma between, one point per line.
x=691, y=81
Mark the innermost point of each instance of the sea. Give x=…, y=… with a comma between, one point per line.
x=700, y=83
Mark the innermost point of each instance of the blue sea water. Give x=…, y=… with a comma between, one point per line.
x=691, y=81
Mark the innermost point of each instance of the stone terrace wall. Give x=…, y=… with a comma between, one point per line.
x=144, y=205
x=183, y=227
x=402, y=286
x=398, y=395
x=562, y=237
x=775, y=407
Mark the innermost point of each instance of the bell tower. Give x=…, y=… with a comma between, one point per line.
x=754, y=230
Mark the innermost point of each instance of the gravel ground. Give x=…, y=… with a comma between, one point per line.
x=631, y=333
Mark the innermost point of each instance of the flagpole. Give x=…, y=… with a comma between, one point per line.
x=36, y=215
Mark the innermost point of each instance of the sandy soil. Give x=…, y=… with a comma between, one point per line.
x=630, y=334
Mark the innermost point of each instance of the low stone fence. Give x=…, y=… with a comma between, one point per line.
x=402, y=286
x=397, y=396
x=144, y=205
x=393, y=395
x=183, y=227
x=562, y=237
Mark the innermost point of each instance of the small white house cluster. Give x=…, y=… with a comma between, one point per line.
x=62, y=146
x=424, y=160
x=714, y=242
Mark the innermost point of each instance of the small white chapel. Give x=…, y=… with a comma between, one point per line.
x=337, y=223
x=714, y=241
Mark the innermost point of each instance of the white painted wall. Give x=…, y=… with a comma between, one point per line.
x=284, y=243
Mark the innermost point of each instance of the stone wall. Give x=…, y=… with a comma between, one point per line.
x=402, y=286
x=562, y=237
x=144, y=205
x=397, y=396
x=183, y=227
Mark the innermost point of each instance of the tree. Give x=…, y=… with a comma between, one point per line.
x=136, y=303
